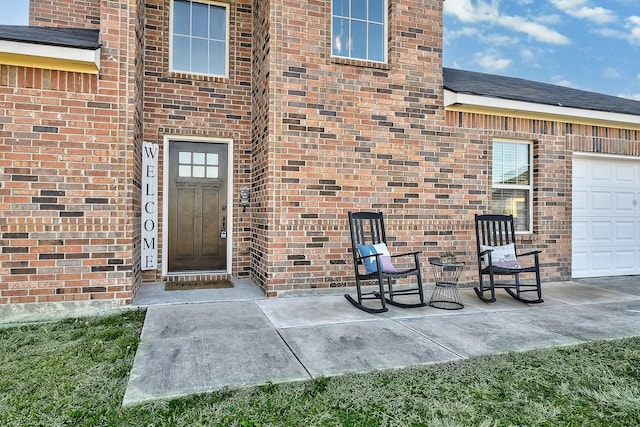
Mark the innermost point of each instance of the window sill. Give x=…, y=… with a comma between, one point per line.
x=360, y=63
x=183, y=75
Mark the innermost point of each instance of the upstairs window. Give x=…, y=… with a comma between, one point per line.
x=512, y=189
x=200, y=37
x=359, y=29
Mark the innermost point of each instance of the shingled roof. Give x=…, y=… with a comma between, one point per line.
x=79, y=38
x=492, y=86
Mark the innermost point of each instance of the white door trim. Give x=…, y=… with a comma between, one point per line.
x=168, y=139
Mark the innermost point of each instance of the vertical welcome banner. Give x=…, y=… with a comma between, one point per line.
x=149, y=199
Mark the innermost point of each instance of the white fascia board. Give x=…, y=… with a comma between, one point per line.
x=453, y=99
x=49, y=51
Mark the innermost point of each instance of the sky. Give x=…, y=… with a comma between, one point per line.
x=591, y=45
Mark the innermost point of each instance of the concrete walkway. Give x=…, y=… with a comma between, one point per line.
x=206, y=346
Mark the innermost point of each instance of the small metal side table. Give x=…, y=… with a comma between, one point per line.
x=445, y=295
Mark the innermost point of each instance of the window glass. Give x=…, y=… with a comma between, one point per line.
x=199, y=38
x=359, y=29
x=512, y=182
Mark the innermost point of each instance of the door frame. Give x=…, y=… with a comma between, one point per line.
x=168, y=139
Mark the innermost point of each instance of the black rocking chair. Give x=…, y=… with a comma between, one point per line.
x=497, y=256
x=373, y=262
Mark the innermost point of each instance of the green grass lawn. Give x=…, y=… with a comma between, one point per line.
x=74, y=373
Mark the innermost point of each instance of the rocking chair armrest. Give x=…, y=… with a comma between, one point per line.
x=360, y=258
x=413, y=254
x=530, y=253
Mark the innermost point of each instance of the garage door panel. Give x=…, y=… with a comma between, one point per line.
x=601, y=172
x=625, y=261
x=602, y=261
x=625, y=232
x=625, y=203
x=600, y=231
x=601, y=202
x=625, y=175
x=605, y=229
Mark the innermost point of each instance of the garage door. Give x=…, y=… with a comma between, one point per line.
x=606, y=217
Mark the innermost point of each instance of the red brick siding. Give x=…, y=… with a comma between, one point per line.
x=347, y=135
x=199, y=106
x=65, y=13
x=67, y=176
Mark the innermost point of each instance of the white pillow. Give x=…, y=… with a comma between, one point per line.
x=501, y=256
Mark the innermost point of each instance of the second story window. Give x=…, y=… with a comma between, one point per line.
x=199, y=37
x=359, y=29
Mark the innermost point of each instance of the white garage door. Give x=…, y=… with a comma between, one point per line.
x=606, y=217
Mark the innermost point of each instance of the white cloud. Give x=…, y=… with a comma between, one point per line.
x=562, y=81
x=611, y=73
x=490, y=62
x=482, y=11
x=580, y=9
x=635, y=97
x=527, y=54
x=466, y=11
x=632, y=35
x=537, y=31
x=633, y=24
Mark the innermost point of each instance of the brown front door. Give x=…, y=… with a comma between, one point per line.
x=197, y=235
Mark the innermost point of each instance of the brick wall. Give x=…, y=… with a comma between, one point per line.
x=194, y=106
x=67, y=173
x=349, y=135
x=65, y=13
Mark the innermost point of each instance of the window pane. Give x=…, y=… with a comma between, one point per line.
x=512, y=202
x=199, y=56
x=376, y=42
x=181, y=53
x=184, y=171
x=218, y=23
x=359, y=9
x=511, y=163
x=358, y=40
x=198, y=158
x=376, y=11
x=184, y=157
x=340, y=8
x=198, y=171
x=199, y=20
x=212, y=158
x=212, y=172
x=217, y=58
x=340, y=37
x=181, y=17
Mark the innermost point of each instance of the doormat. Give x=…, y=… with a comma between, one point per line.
x=197, y=284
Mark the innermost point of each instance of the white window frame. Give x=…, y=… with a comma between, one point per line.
x=528, y=188
x=385, y=48
x=172, y=67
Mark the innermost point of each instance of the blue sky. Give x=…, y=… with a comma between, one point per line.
x=592, y=45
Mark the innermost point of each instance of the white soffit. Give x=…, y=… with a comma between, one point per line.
x=24, y=53
x=483, y=104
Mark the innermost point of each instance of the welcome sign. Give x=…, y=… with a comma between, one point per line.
x=149, y=253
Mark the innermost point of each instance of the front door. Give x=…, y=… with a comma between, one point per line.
x=197, y=234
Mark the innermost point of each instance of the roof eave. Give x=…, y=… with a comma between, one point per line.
x=496, y=106
x=50, y=57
